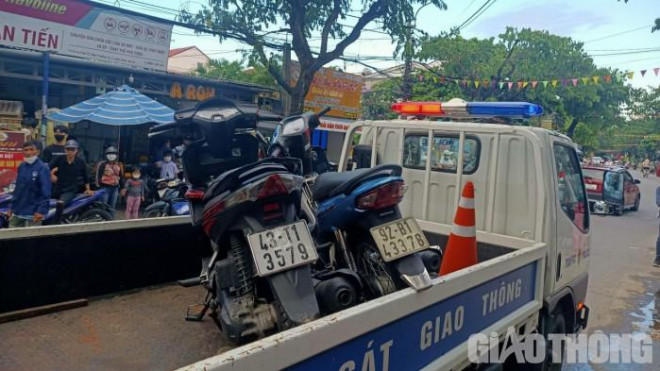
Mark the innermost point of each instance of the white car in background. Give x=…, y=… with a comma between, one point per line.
x=597, y=160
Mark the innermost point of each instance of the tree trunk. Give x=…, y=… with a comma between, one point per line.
x=571, y=128
x=297, y=101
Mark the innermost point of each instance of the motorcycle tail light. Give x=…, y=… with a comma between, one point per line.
x=274, y=186
x=194, y=194
x=384, y=196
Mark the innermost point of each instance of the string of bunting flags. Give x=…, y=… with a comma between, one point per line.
x=523, y=84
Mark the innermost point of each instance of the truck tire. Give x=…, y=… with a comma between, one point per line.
x=552, y=324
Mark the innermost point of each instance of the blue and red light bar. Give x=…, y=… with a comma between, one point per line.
x=460, y=108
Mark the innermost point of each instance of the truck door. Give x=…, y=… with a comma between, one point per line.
x=572, y=215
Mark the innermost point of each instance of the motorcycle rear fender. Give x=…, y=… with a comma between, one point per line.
x=412, y=271
x=294, y=289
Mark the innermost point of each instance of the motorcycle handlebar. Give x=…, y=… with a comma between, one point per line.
x=325, y=110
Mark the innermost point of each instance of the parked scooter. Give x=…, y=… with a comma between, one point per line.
x=171, y=201
x=258, y=274
x=355, y=218
x=82, y=209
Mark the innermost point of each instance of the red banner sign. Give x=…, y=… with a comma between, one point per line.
x=11, y=155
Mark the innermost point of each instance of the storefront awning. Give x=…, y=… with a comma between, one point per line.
x=120, y=107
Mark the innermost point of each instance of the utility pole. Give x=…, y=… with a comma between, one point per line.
x=406, y=85
x=286, y=73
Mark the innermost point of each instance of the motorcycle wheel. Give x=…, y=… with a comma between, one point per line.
x=156, y=213
x=95, y=215
x=373, y=269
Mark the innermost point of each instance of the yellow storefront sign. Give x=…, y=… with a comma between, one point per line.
x=191, y=92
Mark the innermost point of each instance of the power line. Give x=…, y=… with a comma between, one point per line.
x=627, y=53
x=619, y=50
x=476, y=14
x=467, y=7
x=618, y=34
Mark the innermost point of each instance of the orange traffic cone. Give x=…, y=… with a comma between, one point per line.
x=461, y=249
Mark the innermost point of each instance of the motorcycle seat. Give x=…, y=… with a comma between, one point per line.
x=332, y=184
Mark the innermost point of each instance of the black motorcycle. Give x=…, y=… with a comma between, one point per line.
x=258, y=271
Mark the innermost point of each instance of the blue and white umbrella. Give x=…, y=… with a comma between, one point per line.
x=121, y=107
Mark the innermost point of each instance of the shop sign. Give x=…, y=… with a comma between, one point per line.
x=79, y=29
x=191, y=92
x=11, y=155
x=331, y=88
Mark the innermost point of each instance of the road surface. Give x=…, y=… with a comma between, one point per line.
x=624, y=286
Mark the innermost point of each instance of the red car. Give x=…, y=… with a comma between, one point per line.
x=610, y=190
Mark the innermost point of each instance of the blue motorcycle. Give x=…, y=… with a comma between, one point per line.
x=82, y=209
x=355, y=219
x=171, y=200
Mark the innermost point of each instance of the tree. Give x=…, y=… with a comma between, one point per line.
x=236, y=71
x=255, y=21
x=522, y=55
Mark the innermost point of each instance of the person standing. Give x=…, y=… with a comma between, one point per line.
x=29, y=204
x=108, y=177
x=134, y=191
x=169, y=170
x=69, y=175
x=57, y=149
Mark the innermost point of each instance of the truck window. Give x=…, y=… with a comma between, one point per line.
x=443, y=153
x=570, y=187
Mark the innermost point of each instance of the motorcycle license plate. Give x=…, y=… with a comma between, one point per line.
x=399, y=238
x=282, y=248
x=591, y=187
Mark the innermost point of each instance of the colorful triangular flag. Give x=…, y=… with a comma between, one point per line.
x=564, y=82
x=608, y=78
x=421, y=78
x=476, y=83
x=643, y=72
x=585, y=80
x=442, y=79
x=656, y=70
x=575, y=82
x=520, y=84
x=534, y=83
x=554, y=83
x=510, y=85
x=435, y=79
x=486, y=83
x=630, y=74
x=545, y=83
x=525, y=83
x=595, y=78
x=500, y=84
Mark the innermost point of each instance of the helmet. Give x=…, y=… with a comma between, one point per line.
x=71, y=144
x=111, y=149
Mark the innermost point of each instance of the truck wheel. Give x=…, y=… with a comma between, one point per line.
x=636, y=207
x=553, y=324
x=95, y=215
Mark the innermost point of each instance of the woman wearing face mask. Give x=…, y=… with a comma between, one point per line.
x=169, y=170
x=108, y=176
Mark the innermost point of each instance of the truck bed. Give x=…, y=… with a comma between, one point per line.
x=145, y=329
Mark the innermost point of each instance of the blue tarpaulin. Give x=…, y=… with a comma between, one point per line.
x=120, y=107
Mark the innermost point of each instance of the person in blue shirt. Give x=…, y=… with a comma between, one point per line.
x=31, y=196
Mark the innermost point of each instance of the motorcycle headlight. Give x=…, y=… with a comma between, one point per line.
x=294, y=127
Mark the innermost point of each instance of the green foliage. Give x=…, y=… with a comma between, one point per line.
x=255, y=22
x=526, y=55
x=236, y=71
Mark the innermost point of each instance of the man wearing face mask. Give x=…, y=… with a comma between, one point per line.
x=108, y=176
x=31, y=196
x=57, y=149
x=169, y=170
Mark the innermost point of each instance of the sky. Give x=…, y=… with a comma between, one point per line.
x=614, y=33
